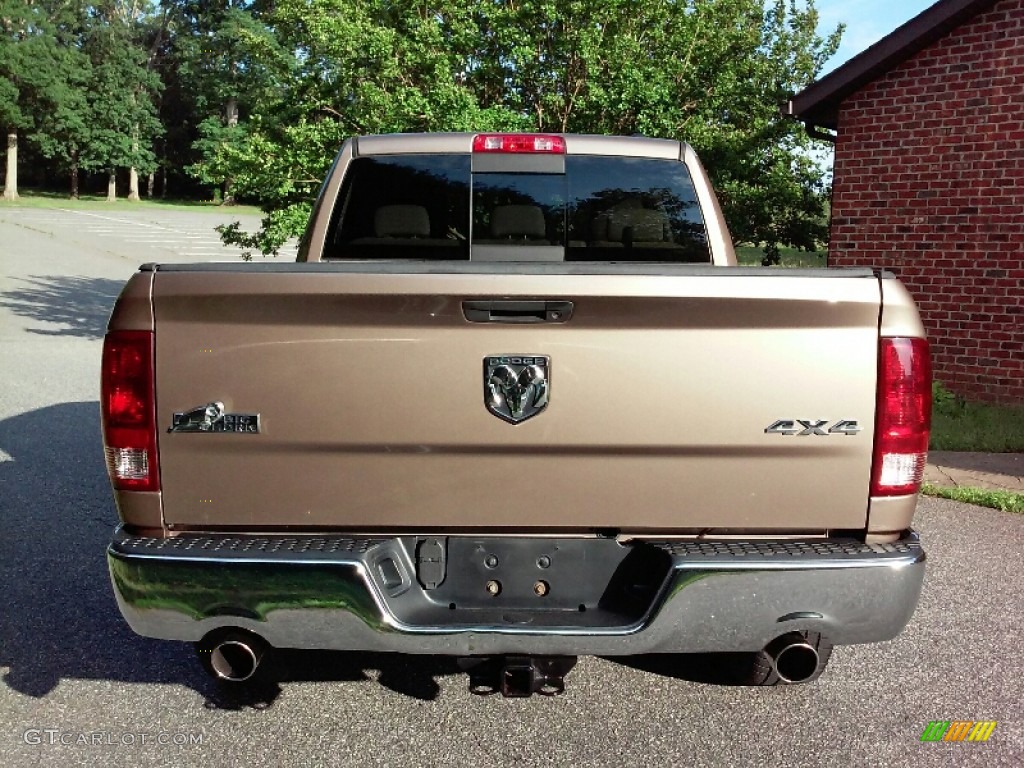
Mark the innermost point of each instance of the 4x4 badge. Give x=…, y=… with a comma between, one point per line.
x=812, y=427
x=516, y=386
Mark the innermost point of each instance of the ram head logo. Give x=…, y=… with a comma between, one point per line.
x=204, y=418
x=516, y=386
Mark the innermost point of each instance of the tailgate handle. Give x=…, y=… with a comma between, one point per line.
x=515, y=311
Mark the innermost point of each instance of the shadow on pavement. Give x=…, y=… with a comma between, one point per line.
x=413, y=676
x=81, y=304
x=58, y=617
x=709, y=668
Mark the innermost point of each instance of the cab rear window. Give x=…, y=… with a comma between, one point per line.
x=436, y=207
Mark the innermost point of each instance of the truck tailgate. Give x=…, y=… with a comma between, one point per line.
x=370, y=389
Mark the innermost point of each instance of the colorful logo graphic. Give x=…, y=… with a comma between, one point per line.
x=958, y=730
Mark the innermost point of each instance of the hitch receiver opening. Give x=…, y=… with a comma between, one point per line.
x=517, y=677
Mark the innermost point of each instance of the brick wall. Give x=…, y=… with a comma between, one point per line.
x=929, y=183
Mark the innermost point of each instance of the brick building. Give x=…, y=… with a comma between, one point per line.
x=929, y=180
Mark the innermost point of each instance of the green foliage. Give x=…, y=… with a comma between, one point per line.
x=946, y=402
x=752, y=255
x=76, y=77
x=711, y=72
x=959, y=425
x=1006, y=501
x=20, y=26
x=277, y=227
x=67, y=130
x=221, y=50
x=255, y=97
x=39, y=65
x=122, y=89
x=228, y=64
x=350, y=68
x=217, y=144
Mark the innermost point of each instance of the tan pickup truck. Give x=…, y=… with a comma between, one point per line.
x=516, y=403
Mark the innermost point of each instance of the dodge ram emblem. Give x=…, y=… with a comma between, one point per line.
x=516, y=386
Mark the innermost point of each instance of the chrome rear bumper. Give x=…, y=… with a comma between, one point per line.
x=337, y=592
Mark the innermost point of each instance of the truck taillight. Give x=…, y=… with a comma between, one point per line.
x=128, y=411
x=530, y=143
x=903, y=418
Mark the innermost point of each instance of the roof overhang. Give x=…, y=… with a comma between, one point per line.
x=818, y=104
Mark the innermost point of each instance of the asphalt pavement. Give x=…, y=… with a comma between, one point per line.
x=77, y=687
x=993, y=471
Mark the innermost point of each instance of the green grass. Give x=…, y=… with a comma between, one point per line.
x=37, y=199
x=751, y=255
x=958, y=425
x=1007, y=501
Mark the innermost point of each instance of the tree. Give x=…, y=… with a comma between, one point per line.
x=224, y=54
x=263, y=92
x=43, y=77
x=122, y=90
x=66, y=132
x=710, y=72
x=22, y=40
x=366, y=66
x=63, y=129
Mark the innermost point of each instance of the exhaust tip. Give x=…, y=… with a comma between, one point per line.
x=233, y=657
x=234, y=661
x=795, y=662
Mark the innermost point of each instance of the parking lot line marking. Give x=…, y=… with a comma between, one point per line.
x=119, y=221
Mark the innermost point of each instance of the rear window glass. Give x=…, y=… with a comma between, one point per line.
x=600, y=209
x=519, y=208
x=402, y=206
x=633, y=209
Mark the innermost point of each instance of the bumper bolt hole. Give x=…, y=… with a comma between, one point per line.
x=541, y=588
x=493, y=588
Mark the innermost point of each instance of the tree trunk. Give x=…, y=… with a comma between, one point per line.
x=11, y=182
x=150, y=184
x=231, y=118
x=163, y=180
x=112, y=186
x=133, y=172
x=74, y=175
x=133, y=184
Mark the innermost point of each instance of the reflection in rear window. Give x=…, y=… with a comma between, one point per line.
x=633, y=209
x=600, y=209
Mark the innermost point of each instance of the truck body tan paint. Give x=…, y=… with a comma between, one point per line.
x=696, y=477
x=371, y=398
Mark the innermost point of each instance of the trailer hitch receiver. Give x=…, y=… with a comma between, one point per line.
x=518, y=676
